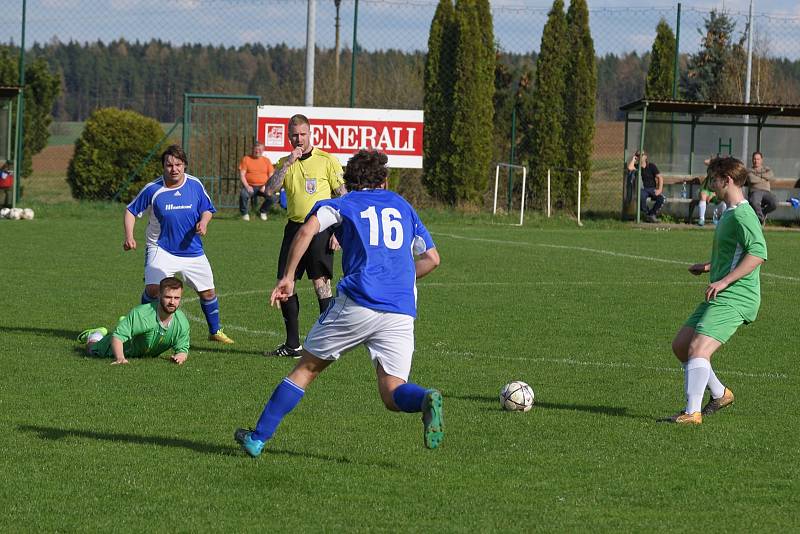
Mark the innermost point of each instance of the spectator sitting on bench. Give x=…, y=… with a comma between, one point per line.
x=652, y=186
x=760, y=195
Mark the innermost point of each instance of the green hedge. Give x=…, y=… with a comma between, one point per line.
x=114, y=143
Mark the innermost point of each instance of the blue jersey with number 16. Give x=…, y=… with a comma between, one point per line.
x=379, y=233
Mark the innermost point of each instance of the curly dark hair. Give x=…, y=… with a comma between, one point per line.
x=366, y=170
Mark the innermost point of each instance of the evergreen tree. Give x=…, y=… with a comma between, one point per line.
x=473, y=108
x=711, y=72
x=543, y=109
x=438, y=100
x=661, y=72
x=581, y=94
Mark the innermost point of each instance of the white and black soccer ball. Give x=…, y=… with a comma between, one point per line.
x=15, y=214
x=27, y=214
x=516, y=396
x=4, y=213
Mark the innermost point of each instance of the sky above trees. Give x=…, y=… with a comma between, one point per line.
x=617, y=26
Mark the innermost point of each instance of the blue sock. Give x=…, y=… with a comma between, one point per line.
x=283, y=400
x=211, y=311
x=147, y=299
x=409, y=397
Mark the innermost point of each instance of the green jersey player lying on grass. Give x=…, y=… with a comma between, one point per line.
x=147, y=330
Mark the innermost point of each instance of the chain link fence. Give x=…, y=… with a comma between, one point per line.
x=145, y=54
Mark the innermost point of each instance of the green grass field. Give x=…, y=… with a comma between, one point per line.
x=586, y=316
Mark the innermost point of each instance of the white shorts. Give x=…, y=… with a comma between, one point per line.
x=159, y=264
x=389, y=337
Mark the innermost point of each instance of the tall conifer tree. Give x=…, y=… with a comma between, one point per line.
x=543, y=109
x=579, y=100
x=473, y=102
x=661, y=72
x=438, y=99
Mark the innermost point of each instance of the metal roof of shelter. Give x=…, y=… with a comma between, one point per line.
x=9, y=91
x=712, y=108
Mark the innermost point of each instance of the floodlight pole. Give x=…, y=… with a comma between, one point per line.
x=745, y=137
x=311, y=29
x=353, y=58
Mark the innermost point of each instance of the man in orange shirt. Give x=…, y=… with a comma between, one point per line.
x=254, y=170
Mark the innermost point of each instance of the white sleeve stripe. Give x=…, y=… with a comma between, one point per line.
x=328, y=216
x=142, y=191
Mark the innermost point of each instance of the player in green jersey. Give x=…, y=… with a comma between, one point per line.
x=147, y=330
x=732, y=297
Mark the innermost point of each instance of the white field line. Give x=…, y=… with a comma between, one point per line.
x=594, y=251
x=770, y=375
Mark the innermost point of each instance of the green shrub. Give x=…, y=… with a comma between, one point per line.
x=113, y=144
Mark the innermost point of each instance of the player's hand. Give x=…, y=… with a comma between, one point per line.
x=119, y=362
x=179, y=358
x=201, y=228
x=697, y=268
x=295, y=154
x=333, y=243
x=283, y=290
x=714, y=289
x=129, y=244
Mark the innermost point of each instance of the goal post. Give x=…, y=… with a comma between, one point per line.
x=510, y=191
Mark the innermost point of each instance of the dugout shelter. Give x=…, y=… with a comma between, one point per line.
x=9, y=106
x=679, y=135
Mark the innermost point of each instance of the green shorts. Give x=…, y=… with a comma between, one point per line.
x=102, y=347
x=715, y=320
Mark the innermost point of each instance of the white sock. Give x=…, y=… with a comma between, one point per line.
x=701, y=210
x=717, y=388
x=94, y=337
x=697, y=371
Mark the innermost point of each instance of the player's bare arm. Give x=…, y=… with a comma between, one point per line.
x=341, y=190
x=285, y=287
x=745, y=267
x=276, y=180
x=202, y=225
x=426, y=262
x=179, y=358
x=129, y=221
x=119, y=353
x=699, y=268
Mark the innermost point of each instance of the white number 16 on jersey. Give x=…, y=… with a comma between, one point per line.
x=390, y=222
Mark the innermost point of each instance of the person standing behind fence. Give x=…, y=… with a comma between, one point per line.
x=254, y=170
x=179, y=212
x=760, y=195
x=308, y=175
x=652, y=186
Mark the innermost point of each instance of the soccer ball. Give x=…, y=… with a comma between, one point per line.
x=4, y=213
x=516, y=396
x=27, y=214
x=15, y=214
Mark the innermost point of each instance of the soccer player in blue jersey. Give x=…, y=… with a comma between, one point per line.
x=179, y=211
x=385, y=249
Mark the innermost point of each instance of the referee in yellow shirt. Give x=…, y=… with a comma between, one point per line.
x=307, y=174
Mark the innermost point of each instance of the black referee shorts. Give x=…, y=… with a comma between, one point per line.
x=317, y=262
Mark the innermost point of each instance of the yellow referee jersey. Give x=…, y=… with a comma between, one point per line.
x=308, y=180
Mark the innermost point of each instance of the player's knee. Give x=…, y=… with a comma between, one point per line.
x=208, y=294
x=151, y=290
x=679, y=348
